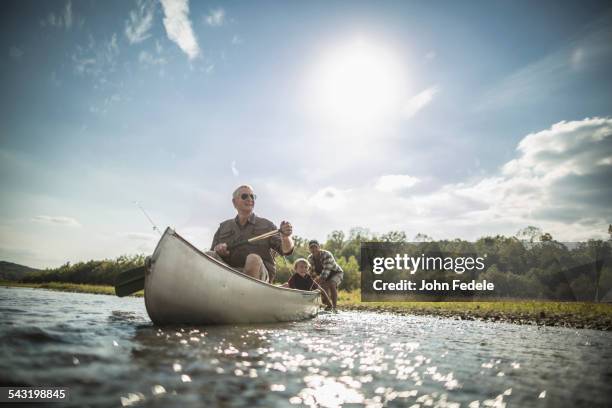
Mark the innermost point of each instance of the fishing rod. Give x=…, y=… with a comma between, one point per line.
x=148, y=218
x=324, y=292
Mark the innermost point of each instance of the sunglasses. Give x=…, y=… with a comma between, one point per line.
x=246, y=196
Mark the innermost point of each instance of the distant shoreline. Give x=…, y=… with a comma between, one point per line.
x=68, y=287
x=579, y=315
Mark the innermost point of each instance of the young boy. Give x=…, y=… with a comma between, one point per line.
x=300, y=279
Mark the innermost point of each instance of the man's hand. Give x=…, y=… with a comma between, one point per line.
x=221, y=249
x=286, y=228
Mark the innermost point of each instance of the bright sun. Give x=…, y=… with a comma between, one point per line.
x=356, y=84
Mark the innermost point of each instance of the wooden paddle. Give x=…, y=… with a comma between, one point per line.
x=254, y=239
x=133, y=280
x=130, y=281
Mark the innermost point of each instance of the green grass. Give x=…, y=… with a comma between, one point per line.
x=69, y=287
x=575, y=314
x=517, y=305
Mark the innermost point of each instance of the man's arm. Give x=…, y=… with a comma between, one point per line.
x=219, y=247
x=287, y=244
x=215, y=240
x=328, y=261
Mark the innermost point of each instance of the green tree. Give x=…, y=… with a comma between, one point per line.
x=546, y=237
x=529, y=233
x=352, y=275
x=420, y=237
x=335, y=242
x=352, y=247
x=394, y=236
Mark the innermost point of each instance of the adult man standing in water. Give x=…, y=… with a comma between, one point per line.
x=329, y=273
x=254, y=259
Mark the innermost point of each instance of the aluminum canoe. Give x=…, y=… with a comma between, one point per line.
x=183, y=285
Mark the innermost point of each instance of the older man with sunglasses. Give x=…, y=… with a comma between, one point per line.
x=255, y=259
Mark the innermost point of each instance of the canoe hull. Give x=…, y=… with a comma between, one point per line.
x=185, y=286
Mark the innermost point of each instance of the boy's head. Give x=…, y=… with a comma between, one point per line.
x=301, y=266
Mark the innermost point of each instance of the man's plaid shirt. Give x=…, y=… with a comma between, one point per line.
x=328, y=263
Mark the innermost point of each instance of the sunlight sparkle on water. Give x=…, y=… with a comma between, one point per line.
x=158, y=390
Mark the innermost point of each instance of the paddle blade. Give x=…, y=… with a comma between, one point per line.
x=130, y=281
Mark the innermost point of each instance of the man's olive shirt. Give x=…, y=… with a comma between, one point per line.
x=231, y=231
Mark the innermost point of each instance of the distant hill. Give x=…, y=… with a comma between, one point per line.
x=13, y=271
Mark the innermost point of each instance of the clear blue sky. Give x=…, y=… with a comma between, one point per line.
x=455, y=119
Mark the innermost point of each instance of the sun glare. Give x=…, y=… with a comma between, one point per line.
x=358, y=83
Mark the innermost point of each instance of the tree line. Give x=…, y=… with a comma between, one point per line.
x=530, y=264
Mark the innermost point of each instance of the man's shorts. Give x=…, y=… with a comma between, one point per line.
x=336, y=278
x=264, y=275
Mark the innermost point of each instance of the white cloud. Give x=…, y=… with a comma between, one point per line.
x=419, y=101
x=237, y=40
x=606, y=161
x=329, y=199
x=56, y=220
x=149, y=59
x=553, y=71
x=61, y=20
x=178, y=26
x=395, y=182
x=234, y=169
x=215, y=18
x=566, y=148
x=52, y=21
x=83, y=65
x=97, y=61
x=577, y=58
x=15, y=52
x=199, y=236
x=105, y=104
x=141, y=236
x=112, y=48
x=138, y=26
x=558, y=181
x=68, y=15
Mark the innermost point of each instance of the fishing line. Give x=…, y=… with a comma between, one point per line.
x=148, y=218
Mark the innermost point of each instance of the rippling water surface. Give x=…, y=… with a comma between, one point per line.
x=108, y=353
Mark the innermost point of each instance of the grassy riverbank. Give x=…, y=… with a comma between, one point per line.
x=68, y=287
x=568, y=314
x=545, y=313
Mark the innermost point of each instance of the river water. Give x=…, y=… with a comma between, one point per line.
x=108, y=353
